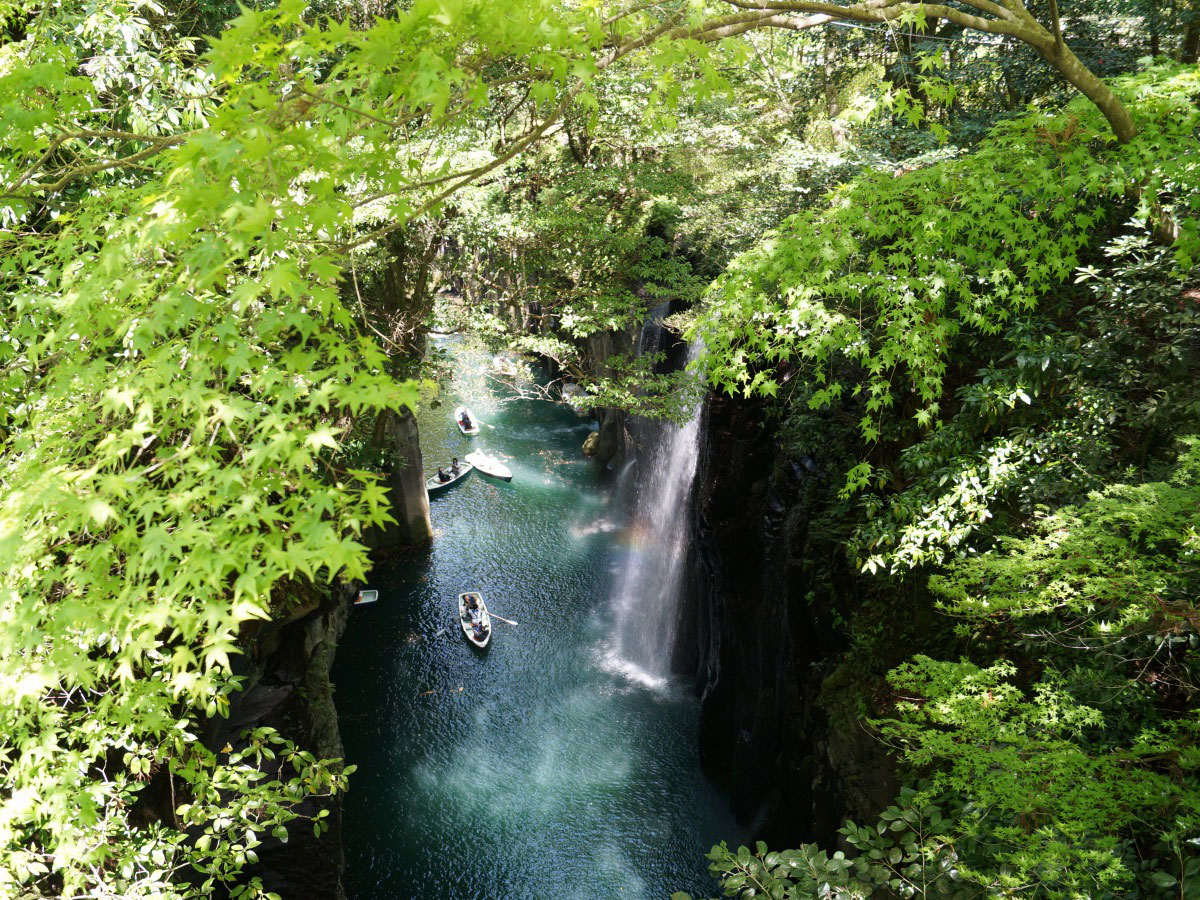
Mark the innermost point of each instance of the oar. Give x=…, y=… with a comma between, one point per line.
x=502, y=619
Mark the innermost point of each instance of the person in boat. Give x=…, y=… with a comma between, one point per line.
x=471, y=608
x=466, y=419
x=442, y=476
x=454, y=465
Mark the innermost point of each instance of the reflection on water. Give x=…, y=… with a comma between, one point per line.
x=596, y=526
x=544, y=767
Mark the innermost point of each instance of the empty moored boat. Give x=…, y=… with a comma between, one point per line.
x=489, y=465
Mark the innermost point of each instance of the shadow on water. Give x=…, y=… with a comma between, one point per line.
x=535, y=768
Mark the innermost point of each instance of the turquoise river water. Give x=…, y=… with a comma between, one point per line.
x=544, y=767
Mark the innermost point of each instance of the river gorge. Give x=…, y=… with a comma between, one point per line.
x=561, y=762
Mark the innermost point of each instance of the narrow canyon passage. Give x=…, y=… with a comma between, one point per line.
x=549, y=765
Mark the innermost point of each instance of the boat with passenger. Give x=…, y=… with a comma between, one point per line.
x=466, y=421
x=474, y=618
x=452, y=474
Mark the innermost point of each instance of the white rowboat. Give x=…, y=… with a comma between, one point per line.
x=489, y=465
x=366, y=597
x=467, y=622
x=432, y=485
x=458, y=419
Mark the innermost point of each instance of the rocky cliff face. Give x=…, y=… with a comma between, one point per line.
x=406, y=484
x=287, y=687
x=766, y=594
x=609, y=444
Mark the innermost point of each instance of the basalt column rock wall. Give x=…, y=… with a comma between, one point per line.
x=406, y=481
x=764, y=599
x=612, y=438
x=287, y=687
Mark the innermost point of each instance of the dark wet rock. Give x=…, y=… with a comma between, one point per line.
x=287, y=687
x=761, y=632
x=410, y=500
x=612, y=441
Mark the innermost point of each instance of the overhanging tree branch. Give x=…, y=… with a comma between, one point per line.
x=533, y=135
x=1008, y=18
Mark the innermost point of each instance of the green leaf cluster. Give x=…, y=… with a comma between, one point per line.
x=898, y=265
x=1051, y=416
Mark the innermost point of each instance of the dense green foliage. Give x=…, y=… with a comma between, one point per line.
x=1023, y=385
x=221, y=235
x=1080, y=781
x=896, y=264
x=177, y=367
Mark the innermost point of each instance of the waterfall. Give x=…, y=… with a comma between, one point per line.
x=646, y=597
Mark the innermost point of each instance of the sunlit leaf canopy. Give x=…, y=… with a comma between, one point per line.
x=899, y=262
x=177, y=365
x=177, y=369
x=177, y=212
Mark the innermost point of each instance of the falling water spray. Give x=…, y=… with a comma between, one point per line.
x=646, y=598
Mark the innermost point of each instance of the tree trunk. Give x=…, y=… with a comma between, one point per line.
x=1069, y=65
x=403, y=298
x=1190, y=51
x=577, y=143
x=831, y=105
x=1154, y=22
